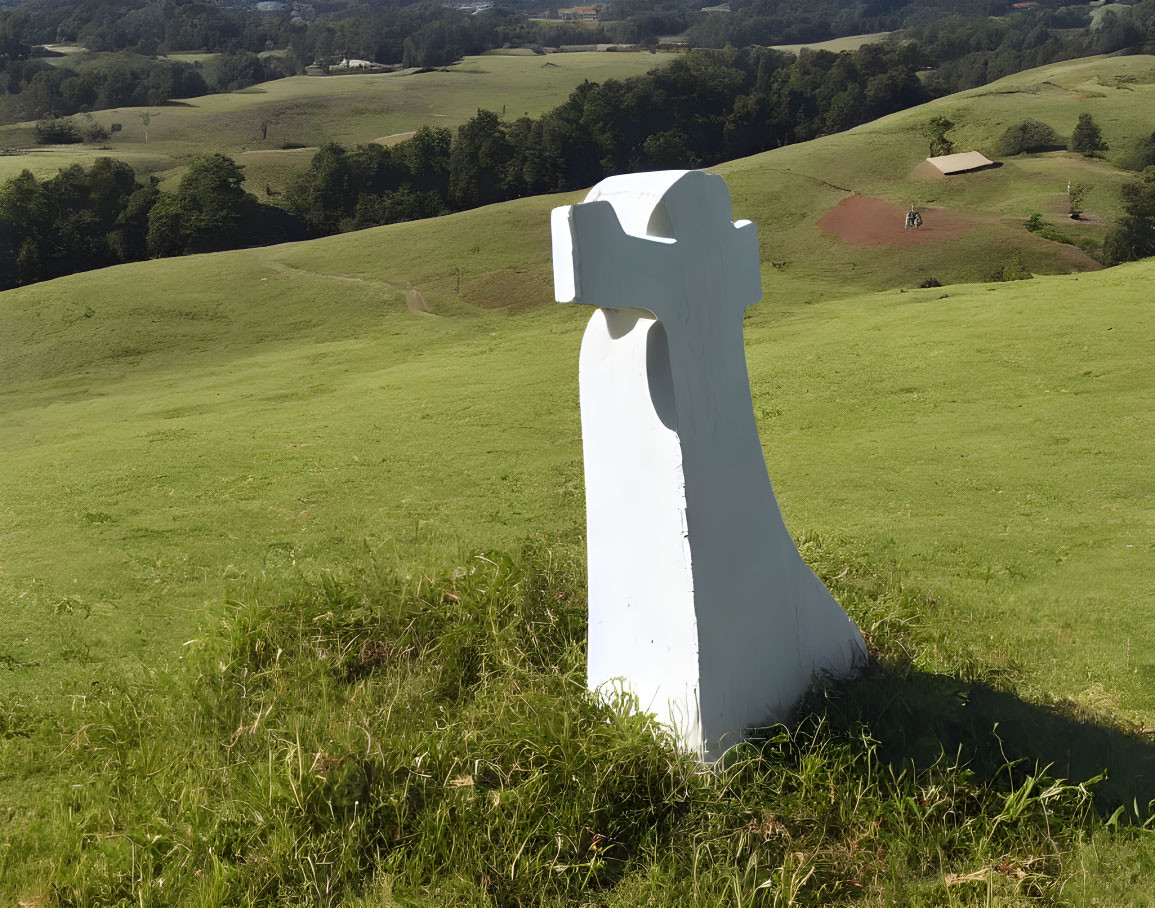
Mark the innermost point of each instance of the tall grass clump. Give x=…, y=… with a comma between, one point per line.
x=381, y=738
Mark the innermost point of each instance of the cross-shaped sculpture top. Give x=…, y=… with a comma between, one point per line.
x=699, y=600
x=659, y=241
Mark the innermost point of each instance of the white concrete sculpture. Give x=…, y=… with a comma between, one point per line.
x=699, y=603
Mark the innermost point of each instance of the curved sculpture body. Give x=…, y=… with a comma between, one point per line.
x=699, y=602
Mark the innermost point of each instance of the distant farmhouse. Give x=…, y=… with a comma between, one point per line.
x=964, y=162
x=579, y=14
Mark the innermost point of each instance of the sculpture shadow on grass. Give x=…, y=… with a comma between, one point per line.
x=920, y=718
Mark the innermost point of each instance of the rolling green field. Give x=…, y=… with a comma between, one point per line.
x=836, y=45
x=194, y=441
x=309, y=110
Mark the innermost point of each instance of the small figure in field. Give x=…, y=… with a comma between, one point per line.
x=913, y=218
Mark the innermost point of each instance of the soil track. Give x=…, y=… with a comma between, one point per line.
x=863, y=221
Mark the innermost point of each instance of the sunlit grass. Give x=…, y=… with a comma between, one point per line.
x=207, y=439
x=373, y=736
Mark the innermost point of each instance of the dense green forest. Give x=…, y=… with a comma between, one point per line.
x=99, y=216
x=704, y=107
x=33, y=89
x=962, y=42
x=798, y=21
x=378, y=29
x=128, y=35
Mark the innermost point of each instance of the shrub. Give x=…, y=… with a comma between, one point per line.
x=1139, y=154
x=1076, y=193
x=57, y=131
x=1036, y=225
x=935, y=133
x=1027, y=136
x=93, y=132
x=1011, y=271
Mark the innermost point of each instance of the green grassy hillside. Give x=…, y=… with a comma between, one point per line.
x=789, y=189
x=309, y=110
x=165, y=420
x=176, y=433
x=249, y=416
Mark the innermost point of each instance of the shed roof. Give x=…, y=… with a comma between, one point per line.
x=958, y=163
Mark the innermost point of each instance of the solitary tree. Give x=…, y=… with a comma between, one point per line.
x=1076, y=193
x=1087, y=139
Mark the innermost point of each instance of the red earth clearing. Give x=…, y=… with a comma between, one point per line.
x=862, y=221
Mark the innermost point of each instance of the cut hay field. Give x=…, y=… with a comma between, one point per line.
x=310, y=110
x=190, y=443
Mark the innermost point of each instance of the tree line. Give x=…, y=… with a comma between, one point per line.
x=966, y=52
x=84, y=218
x=33, y=89
x=769, y=22
x=130, y=35
x=961, y=45
x=376, y=31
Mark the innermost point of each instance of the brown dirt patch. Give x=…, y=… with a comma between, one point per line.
x=862, y=221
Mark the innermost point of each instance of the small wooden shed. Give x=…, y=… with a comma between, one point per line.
x=964, y=162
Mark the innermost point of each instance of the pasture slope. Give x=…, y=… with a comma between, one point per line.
x=309, y=110
x=182, y=434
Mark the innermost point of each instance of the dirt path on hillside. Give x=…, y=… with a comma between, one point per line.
x=414, y=301
x=864, y=221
